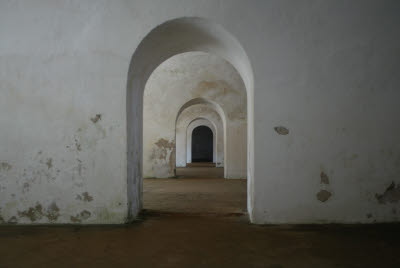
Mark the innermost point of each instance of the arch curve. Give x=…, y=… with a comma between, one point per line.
x=164, y=41
x=190, y=112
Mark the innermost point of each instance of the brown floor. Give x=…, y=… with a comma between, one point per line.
x=189, y=224
x=195, y=195
x=200, y=172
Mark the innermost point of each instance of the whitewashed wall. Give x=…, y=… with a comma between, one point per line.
x=186, y=118
x=173, y=84
x=328, y=71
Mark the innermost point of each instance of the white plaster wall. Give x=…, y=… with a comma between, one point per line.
x=174, y=83
x=195, y=114
x=326, y=70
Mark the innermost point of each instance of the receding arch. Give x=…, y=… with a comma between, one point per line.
x=200, y=121
x=202, y=144
x=164, y=41
x=218, y=123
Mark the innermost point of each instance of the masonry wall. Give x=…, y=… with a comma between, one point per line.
x=326, y=77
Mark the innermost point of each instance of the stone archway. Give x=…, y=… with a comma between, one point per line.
x=166, y=40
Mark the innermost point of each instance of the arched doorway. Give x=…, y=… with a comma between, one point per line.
x=166, y=40
x=202, y=144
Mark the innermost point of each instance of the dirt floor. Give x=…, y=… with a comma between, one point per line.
x=199, y=172
x=199, y=223
x=195, y=195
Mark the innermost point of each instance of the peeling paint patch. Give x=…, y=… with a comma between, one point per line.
x=96, y=118
x=165, y=151
x=84, y=215
x=281, y=130
x=5, y=166
x=324, y=178
x=87, y=197
x=12, y=220
x=369, y=216
x=53, y=212
x=25, y=187
x=1, y=218
x=163, y=143
x=49, y=163
x=75, y=219
x=33, y=213
x=172, y=160
x=37, y=212
x=323, y=195
x=84, y=197
x=391, y=194
x=78, y=145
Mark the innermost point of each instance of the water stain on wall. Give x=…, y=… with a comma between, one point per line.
x=214, y=89
x=165, y=151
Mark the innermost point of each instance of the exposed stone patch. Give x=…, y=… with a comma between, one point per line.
x=324, y=178
x=96, y=118
x=281, y=130
x=49, y=163
x=323, y=195
x=5, y=166
x=391, y=194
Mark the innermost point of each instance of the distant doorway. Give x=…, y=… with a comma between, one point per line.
x=202, y=144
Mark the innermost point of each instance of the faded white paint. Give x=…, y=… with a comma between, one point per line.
x=326, y=70
x=173, y=94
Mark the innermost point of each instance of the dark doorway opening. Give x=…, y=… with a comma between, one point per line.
x=202, y=144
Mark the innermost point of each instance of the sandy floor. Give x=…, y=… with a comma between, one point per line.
x=200, y=172
x=195, y=195
x=198, y=223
